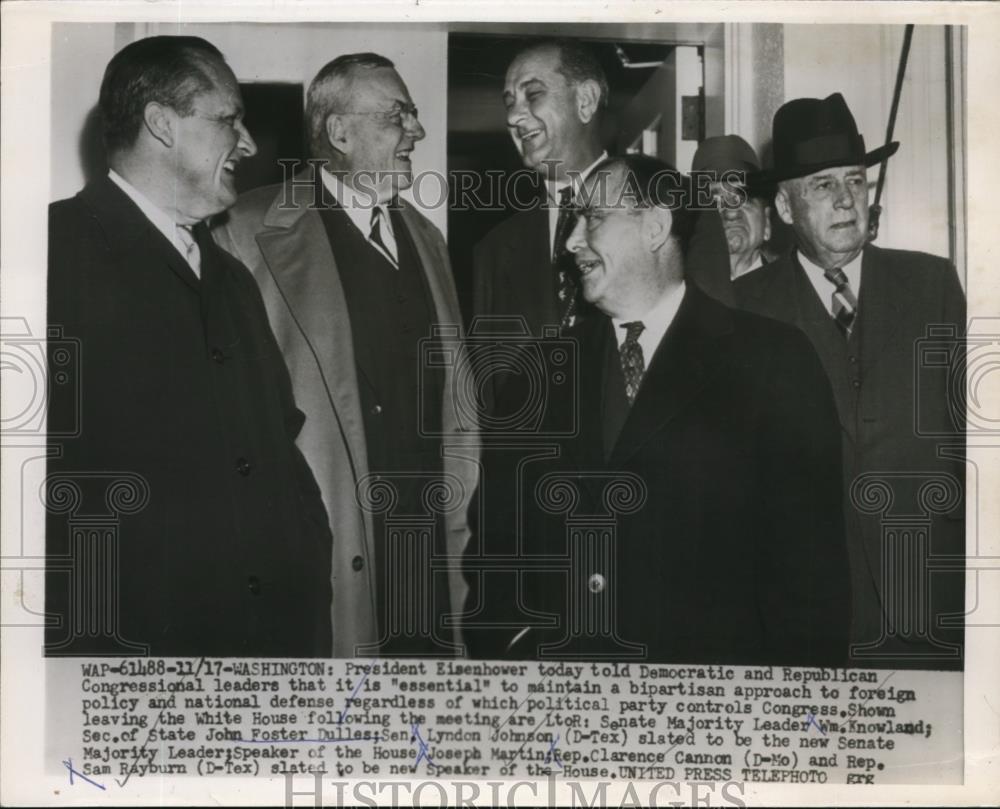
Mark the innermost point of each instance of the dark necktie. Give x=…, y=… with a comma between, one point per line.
x=845, y=304
x=562, y=260
x=375, y=237
x=633, y=364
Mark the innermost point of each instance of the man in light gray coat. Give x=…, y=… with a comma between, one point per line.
x=354, y=279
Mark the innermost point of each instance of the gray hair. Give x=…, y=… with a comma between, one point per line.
x=331, y=87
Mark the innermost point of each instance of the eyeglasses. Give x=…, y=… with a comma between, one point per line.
x=395, y=115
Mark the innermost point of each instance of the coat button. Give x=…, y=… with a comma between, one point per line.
x=596, y=583
x=243, y=466
x=218, y=356
x=852, y=359
x=377, y=410
x=856, y=383
x=253, y=585
x=357, y=563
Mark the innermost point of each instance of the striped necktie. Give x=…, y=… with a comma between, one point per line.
x=844, y=301
x=633, y=363
x=375, y=237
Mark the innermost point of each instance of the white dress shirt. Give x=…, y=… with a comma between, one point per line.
x=162, y=221
x=656, y=322
x=553, y=191
x=825, y=288
x=358, y=207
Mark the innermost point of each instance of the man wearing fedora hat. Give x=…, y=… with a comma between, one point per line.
x=733, y=167
x=866, y=309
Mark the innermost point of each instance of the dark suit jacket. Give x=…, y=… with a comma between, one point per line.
x=186, y=398
x=727, y=544
x=894, y=409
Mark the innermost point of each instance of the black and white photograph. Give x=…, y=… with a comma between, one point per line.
x=601, y=402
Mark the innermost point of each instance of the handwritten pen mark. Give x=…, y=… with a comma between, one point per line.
x=142, y=749
x=422, y=752
x=530, y=736
x=341, y=715
x=878, y=687
x=497, y=729
x=552, y=756
x=68, y=764
x=649, y=769
x=811, y=720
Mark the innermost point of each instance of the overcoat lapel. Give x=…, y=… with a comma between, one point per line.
x=685, y=359
x=789, y=291
x=879, y=308
x=442, y=293
x=131, y=233
x=295, y=246
x=458, y=449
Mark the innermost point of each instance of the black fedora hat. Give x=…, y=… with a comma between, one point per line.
x=812, y=134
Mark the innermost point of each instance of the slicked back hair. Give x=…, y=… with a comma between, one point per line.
x=652, y=183
x=577, y=63
x=168, y=70
x=330, y=87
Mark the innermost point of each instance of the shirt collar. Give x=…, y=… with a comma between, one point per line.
x=357, y=205
x=155, y=214
x=817, y=275
x=656, y=321
x=552, y=189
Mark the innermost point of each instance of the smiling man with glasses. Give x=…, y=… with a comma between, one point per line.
x=354, y=278
x=722, y=425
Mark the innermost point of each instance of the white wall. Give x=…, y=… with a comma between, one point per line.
x=80, y=52
x=256, y=52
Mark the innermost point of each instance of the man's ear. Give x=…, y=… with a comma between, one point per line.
x=782, y=205
x=588, y=99
x=160, y=122
x=337, y=134
x=656, y=227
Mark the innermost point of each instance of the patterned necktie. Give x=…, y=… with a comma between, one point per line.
x=190, y=251
x=633, y=364
x=845, y=304
x=375, y=237
x=562, y=259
